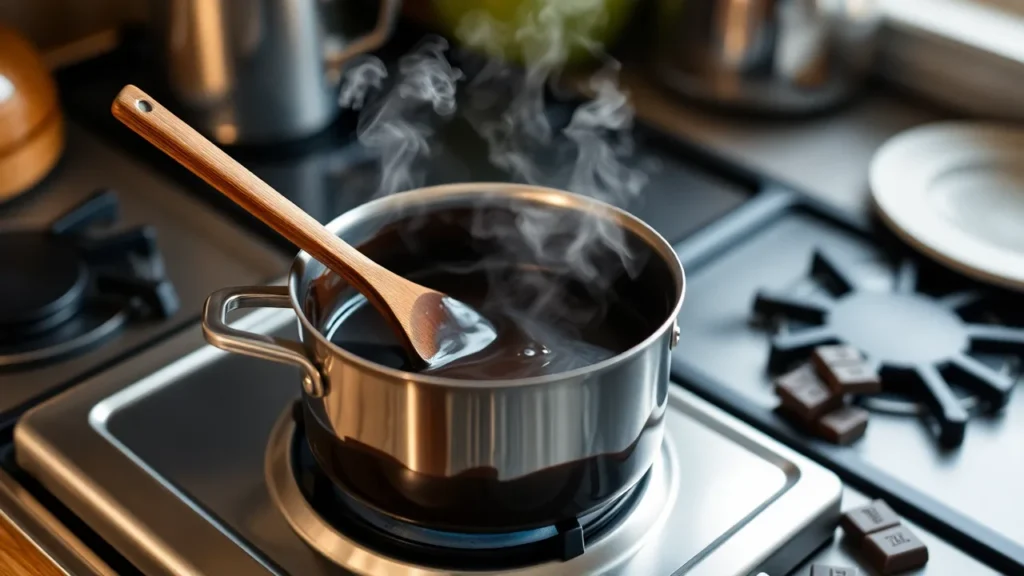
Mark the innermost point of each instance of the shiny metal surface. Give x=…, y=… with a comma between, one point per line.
x=220, y=334
x=771, y=56
x=123, y=497
x=179, y=498
x=516, y=427
x=201, y=250
x=259, y=71
x=611, y=550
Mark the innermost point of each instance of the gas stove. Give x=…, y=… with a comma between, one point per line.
x=782, y=275
x=931, y=358
x=168, y=456
x=51, y=306
x=101, y=260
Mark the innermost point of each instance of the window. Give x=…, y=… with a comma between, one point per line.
x=967, y=54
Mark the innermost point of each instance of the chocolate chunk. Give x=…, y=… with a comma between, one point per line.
x=860, y=522
x=845, y=371
x=822, y=570
x=852, y=379
x=895, y=550
x=804, y=395
x=835, y=356
x=844, y=425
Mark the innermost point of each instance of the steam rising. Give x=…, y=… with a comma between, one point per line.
x=397, y=127
x=361, y=76
x=506, y=108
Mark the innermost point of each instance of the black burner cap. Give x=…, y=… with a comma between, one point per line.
x=42, y=278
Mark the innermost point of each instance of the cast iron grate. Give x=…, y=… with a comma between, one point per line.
x=65, y=290
x=922, y=346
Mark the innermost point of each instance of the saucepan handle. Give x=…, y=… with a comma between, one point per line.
x=220, y=334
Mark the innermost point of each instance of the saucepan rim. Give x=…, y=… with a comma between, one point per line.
x=530, y=193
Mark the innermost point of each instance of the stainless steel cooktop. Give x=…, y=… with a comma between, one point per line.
x=165, y=457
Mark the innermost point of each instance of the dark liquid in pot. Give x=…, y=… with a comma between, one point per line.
x=476, y=500
x=545, y=324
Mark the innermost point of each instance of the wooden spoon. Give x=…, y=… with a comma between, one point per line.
x=434, y=328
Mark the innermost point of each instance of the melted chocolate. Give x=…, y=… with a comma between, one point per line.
x=476, y=500
x=545, y=323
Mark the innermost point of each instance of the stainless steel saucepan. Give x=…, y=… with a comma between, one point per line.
x=479, y=456
x=775, y=57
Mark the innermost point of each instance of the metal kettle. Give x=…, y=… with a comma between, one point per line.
x=261, y=71
x=765, y=56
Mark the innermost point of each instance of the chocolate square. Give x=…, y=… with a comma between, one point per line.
x=843, y=426
x=804, y=395
x=852, y=379
x=823, y=570
x=836, y=355
x=860, y=522
x=895, y=550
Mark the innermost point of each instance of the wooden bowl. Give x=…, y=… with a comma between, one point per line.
x=31, y=124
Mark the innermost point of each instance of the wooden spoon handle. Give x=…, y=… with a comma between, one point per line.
x=174, y=137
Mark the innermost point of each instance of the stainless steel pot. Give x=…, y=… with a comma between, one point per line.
x=767, y=56
x=492, y=455
x=262, y=71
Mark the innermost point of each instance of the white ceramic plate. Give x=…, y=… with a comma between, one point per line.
x=955, y=191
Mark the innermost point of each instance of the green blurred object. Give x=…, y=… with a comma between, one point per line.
x=549, y=32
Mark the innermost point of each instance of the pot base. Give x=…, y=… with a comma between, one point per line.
x=313, y=502
x=476, y=501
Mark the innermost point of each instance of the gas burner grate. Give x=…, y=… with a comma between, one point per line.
x=66, y=290
x=442, y=548
x=922, y=346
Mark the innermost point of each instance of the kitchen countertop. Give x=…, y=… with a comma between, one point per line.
x=19, y=555
x=826, y=156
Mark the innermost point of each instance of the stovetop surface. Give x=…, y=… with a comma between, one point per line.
x=201, y=492
x=215, y=490
x=200, y=253
x=724, y=354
